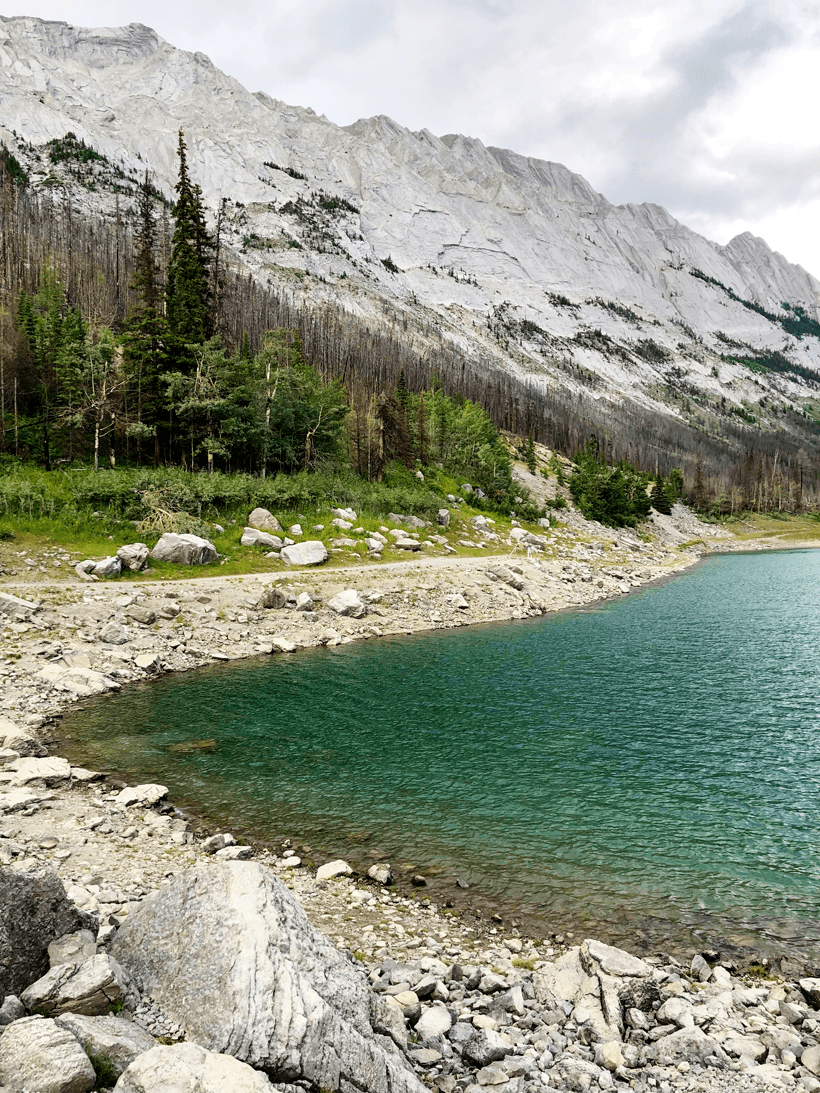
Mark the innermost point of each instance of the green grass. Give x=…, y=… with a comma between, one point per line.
x=92, y=514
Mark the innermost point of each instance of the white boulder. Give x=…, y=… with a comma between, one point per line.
x=312, y=552
x=184, y=550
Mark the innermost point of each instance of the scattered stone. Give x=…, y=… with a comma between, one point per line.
x=381, y=873
x=114, y=633
x=148, y=794
x=11, y=1010
x=254, y=537
x=122, y=1041
x=72, y=948
x=90, y=988
x=263, y=520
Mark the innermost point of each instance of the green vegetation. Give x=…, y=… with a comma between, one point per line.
x=616, y=496
x=105, y=1069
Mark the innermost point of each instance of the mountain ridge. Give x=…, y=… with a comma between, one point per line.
x=505, y=257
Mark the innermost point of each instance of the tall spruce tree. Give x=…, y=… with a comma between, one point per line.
x=146, y=333
x=187, y=287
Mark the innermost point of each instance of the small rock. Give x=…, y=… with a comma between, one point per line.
x=148, y=794
x=114, y=633
x=72, y=948
x=348, y=603
x=332, y=869
x=381, y=873
x=434, y=1022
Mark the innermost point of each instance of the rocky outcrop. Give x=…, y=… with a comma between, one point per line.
x=225, y=950
x=34, y=911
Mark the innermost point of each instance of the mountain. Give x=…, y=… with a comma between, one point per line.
x=511, y=262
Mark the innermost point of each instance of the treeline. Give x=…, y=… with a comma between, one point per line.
x=736, y=465
x=164, y=386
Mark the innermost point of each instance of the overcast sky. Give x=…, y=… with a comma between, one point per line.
x=708, y=107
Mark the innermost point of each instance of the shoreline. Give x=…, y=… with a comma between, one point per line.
x=405, y=604
x=118, y=849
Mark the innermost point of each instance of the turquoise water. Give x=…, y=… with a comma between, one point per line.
x=649, y=767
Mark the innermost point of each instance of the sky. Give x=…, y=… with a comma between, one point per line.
x=707, y=107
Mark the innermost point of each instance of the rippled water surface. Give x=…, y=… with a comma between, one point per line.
x=652, y=764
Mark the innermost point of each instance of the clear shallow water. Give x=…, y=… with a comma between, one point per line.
x=647, y=768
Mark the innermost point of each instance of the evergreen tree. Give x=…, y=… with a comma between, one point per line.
x=146, y=334
x=529, y=455
x=47, y=326
x=187, y=287
x=662, y=495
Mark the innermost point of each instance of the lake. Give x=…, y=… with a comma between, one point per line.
x=645, y=770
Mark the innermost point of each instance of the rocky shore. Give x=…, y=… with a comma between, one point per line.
x=138, y=954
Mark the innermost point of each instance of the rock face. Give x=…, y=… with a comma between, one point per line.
x=226, y=951
x=37, y=1055
x=187, y=1068
x=184, y=550
x=34, y=911
x=520, y=228
x=313, y=552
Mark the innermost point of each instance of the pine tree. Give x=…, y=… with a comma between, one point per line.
x=187, y=288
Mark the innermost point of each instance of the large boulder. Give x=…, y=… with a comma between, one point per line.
x=37, y=1056
x=184, y=550
x=133, y=555
x=313, y=552
x=90, y=988
x=349, y=603
x=227, y=952
x=254, y=537
x=108, y=567
x=188, y=1068
x=122, y=1041
x=34, y=911
x=263, y=520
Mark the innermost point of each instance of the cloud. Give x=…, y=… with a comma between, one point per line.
x=704, y=106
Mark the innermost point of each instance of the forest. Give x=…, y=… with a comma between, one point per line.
x=138, y=339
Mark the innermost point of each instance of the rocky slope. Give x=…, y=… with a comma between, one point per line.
x=512, y=260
